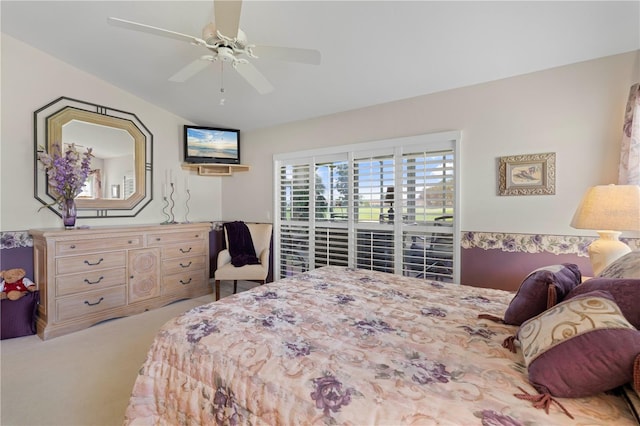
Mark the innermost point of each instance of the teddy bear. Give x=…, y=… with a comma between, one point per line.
x=14, y=285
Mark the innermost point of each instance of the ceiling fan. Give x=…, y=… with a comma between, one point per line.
x=226, y=42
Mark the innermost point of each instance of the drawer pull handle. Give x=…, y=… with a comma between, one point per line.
x=94, y=264
x=185, y=283
x=187, y=265
x=94, y=282
x=72, y=246
x=130, y=242
x=158, y=239
x=86, y=302
x=186, y=251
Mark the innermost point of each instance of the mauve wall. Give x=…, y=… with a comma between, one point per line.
x=18, y=257
x=502, y=260
x=479, y=266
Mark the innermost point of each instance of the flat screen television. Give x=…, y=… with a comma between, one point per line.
x=211, y=145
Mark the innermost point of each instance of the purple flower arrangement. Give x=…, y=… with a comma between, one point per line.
x=66, y=172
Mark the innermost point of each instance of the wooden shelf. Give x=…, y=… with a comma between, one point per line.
x=216, y=169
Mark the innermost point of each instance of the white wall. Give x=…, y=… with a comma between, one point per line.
x=31, y=79
x=575, y=111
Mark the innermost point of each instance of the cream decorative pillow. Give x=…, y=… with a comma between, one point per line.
x=628, y=266
x=580, y=347
x=625, y=291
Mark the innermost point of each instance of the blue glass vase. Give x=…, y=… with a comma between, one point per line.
x=69, y=213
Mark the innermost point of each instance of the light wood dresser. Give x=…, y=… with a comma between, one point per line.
x=86, y=276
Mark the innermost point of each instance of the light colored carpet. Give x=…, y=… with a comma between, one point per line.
x=83, y=378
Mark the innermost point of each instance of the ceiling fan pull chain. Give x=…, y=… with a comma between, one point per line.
x=222, y=83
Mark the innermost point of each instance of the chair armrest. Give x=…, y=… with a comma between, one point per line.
x=264, y=257
x=224, y=257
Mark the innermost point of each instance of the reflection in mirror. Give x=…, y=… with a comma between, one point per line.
x=121, y=184
x=113, y=160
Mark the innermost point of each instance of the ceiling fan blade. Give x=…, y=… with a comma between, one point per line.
x=254, y=78
x=227, y=13
x=190, y=70
x=130, y=25
x=291, y=54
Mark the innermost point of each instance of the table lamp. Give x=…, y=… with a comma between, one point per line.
x=608, y=209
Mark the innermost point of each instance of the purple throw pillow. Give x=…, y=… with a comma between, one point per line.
x=580, y=347
x=540, y=290
x=18, y=317
x=625, y=291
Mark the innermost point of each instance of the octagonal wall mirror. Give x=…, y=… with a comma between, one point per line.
x=121, y=185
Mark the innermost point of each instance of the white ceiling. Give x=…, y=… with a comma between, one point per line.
x=372, y=51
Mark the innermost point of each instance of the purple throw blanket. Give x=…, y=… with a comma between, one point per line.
x=240, y=244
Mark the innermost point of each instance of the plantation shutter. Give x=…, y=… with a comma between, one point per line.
x=331, y=246
x=428, y=193
x=331, y=243
x=293, y=231
x=373, y=189
x=388, y=206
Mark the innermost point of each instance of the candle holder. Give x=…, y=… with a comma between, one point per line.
x=164, y=211
x=186, y=207
x=171, y=205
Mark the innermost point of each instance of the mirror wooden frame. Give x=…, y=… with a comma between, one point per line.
x=48, y=122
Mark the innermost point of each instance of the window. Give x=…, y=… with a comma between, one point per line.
x=388, y=206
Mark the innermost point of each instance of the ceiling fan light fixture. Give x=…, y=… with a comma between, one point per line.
x=225, y=54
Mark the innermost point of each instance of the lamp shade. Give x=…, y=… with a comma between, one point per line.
x=609, y=207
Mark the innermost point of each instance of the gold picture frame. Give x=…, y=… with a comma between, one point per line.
x=528, y=174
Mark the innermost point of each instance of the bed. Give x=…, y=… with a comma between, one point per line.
x=344, y=346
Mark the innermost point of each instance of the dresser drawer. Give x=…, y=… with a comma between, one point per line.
x=98, y=244
x=184, y=282
x=89, y=281
x=191, y=248
x=90, y=303
x=90, y=262
x=176, y=237
x=184, y=264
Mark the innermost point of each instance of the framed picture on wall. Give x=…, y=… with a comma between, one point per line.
x=528, y=174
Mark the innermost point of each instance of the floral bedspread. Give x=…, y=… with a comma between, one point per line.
x=343, y=346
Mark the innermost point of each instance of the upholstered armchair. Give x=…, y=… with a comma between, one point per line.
x=261, y=237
